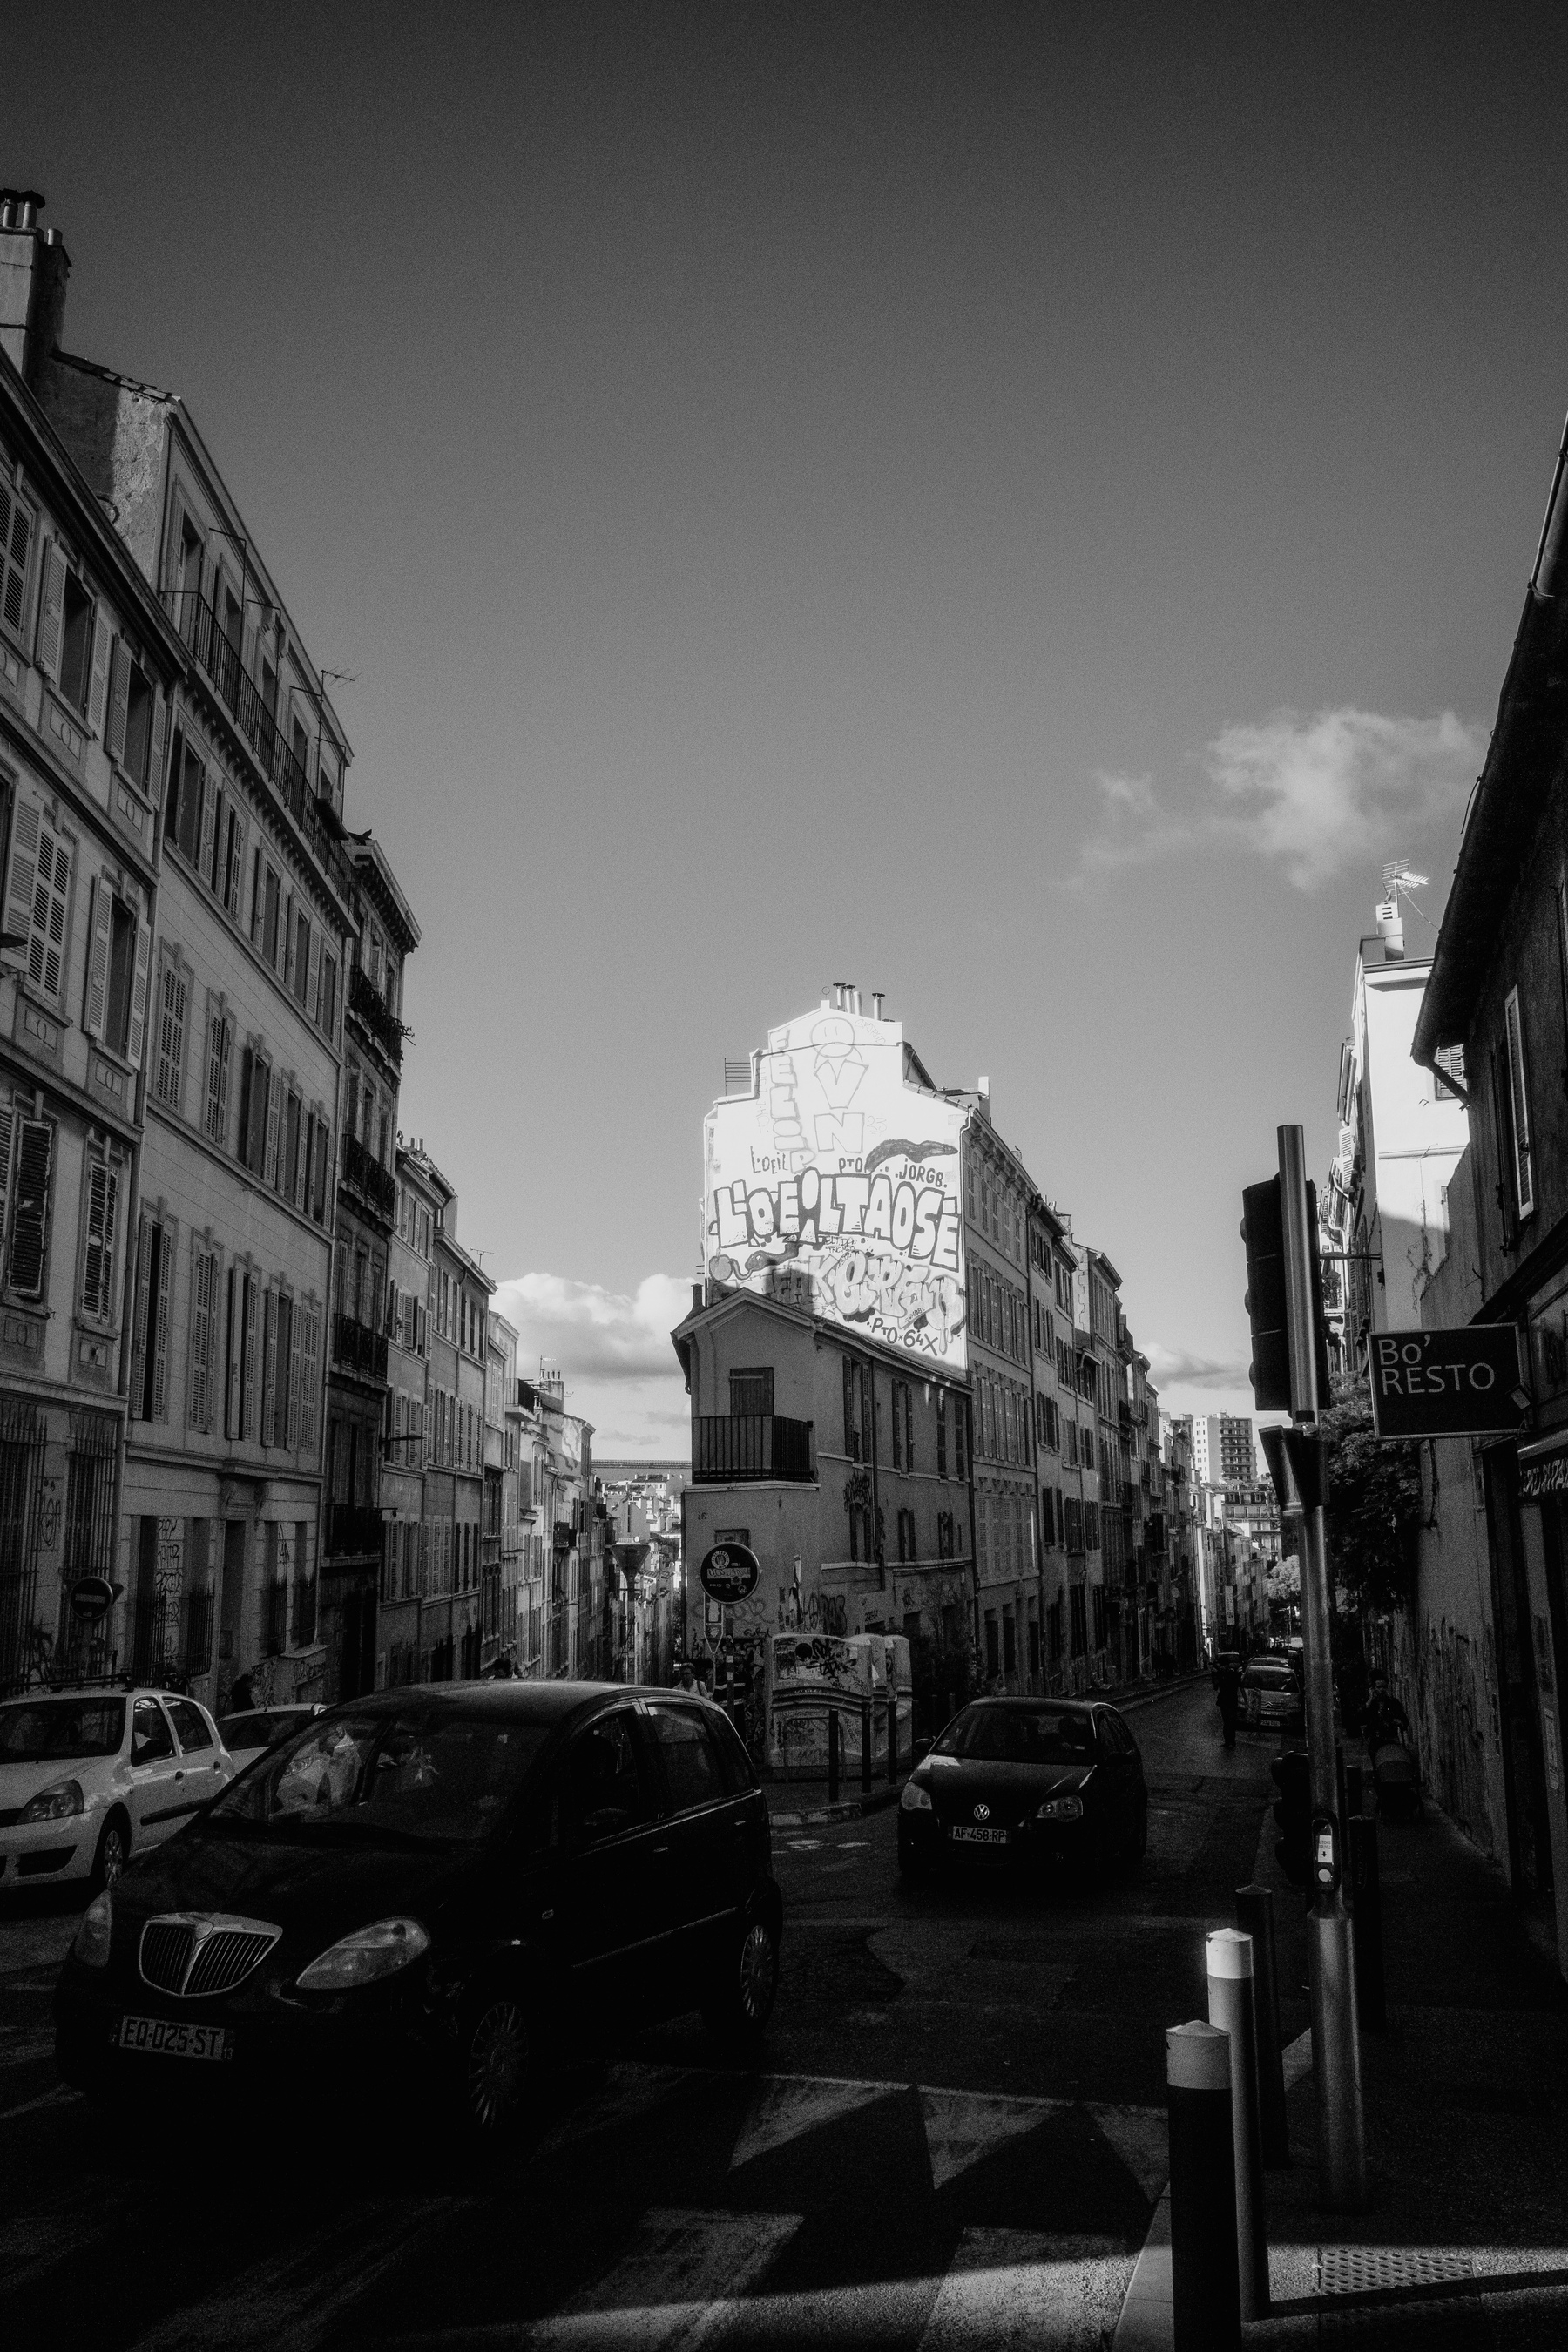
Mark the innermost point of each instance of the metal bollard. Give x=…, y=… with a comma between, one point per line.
x=1205, y=2293
x=1370, y=1990
x=865, y=1743
x=892, y=1739
x=1254, y=1917
x=1228, y=1954
x=832, y=1754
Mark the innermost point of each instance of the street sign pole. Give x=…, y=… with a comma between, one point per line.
x=1336, y=2043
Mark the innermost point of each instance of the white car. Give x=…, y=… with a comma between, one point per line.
x=89, y=1777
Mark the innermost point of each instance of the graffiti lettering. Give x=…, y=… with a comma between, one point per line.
x=920, y=1220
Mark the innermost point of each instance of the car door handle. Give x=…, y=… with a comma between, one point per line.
x=661, y=1853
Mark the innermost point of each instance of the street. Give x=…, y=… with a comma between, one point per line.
x=956, y=2134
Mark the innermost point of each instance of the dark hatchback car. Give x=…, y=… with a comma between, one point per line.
x=435, y=1881
x=1026, y=1781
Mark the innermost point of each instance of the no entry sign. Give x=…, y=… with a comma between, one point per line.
x=730, y=1572
x=1461, y=1384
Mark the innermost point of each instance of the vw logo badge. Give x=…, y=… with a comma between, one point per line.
x=983, y=1812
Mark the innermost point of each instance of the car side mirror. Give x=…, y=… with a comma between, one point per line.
x=923, y=1750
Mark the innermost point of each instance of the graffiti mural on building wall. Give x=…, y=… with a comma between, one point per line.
x=835, y=1187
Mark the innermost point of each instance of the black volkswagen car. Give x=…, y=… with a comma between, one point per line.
x=438, y=1880
x=1028, y=1781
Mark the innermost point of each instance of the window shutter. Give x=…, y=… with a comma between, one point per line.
x=98, y=957
x=139, y=1317
x=156, y=759
x=312, y=1376
x=203, y=1267
x=252, y=1352
x=16, y=538
x=231, y=1357
x=119, y=699
x=102, y=638
x=212, y=1115
x=6, y=1116
x=159, y=1336
x=274, y=1097
x=172, y=1037
x=269, y=1363
x=51, y=612
x=25, y=824
x=51, y=900
x=30, y=1219
x=322, y=1155
x=209, y=827
x=94, y=1280
x=137, y=1038
x=1523, y=1141
x=296, y=1351
x=314, y=973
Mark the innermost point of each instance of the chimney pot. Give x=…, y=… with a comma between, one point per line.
x=984, y=1087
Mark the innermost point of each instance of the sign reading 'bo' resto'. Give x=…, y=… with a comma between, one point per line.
x=1461, y=1384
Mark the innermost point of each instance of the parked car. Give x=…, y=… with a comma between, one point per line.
x=1030, y=1783
x=249, y=1735
x=90, y=1777
x=1270, y=1694
x=448, y=1881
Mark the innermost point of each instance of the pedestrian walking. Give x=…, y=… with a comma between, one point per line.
x=1227, y=1699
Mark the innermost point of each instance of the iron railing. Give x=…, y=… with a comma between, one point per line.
x=219, y=657
x=727, y=1446
x=357, y=1349
x=368, y=1005
x=352, y=1527
x=364, y=1171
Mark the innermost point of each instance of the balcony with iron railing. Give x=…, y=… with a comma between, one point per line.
x=356, y=1348
x=219, y=658
x=375, y=1184
x=730, y=1446
x=369, y=1007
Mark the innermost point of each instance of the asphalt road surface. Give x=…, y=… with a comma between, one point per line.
x=955, y=2136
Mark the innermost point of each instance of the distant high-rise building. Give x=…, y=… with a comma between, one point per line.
x=1222, y=1453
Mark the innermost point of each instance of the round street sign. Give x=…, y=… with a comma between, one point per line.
x=91, y=1596
x=730, y=1572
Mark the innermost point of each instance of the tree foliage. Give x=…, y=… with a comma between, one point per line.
x=1374, y=1503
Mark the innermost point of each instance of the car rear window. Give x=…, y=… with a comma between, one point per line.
x=42, y=1731
x=1019, y=1734
x=693, y=1772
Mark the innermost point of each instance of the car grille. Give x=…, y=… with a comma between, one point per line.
x=196, y=1956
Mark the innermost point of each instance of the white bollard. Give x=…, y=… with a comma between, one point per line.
x=1229, y=1956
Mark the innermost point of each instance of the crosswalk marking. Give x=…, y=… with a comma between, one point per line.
x=629, y=2091
x=784, y=2106
x=962, y=2126
x=1138, y=2136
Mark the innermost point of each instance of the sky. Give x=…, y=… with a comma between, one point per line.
x=1024, y=510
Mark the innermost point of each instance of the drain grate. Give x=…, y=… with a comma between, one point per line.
x=1389, y=2269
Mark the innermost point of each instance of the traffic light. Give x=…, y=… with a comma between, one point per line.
x=1293, y=1812
x=1263, y=1231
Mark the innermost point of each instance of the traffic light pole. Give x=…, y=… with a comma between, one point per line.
x=1336, y=2042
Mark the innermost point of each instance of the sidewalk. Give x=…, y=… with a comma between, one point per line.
x=794, y=1803
x=1466, y=2099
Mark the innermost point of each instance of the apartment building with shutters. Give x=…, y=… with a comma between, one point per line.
x=454, y=1461
x=90, y=665
x=997, y=1193
x=357, y=1536
x=231, y=1240
x=405, y=1572
x=1052, y=1264
x=499, y=1563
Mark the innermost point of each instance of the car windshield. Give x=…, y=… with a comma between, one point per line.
x=46, y=1730
x=1020, y=1735
x=1270, y=1677
x=434, y=1776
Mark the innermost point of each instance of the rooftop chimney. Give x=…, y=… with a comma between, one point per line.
x=985, y=1088
x=877, y=996
x=34, y=267
x=1391, y=930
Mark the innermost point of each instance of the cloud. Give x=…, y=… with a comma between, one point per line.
x=1334, y=790
x=1314, y=794
x=1179, y=1368
x=613, y=1348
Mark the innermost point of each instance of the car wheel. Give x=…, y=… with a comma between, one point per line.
x=741, y=2001
x=113, y=1852
x=495, y=2065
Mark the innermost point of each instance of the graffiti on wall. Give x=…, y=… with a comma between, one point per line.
x=835, y=1187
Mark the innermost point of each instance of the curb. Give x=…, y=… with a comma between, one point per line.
x=850, y=1808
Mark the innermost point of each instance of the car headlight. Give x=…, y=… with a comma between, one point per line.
x=368, y=1954
x=1060, y=1809
x=92, y=1944
x=53, y=1804
x=915, y=1800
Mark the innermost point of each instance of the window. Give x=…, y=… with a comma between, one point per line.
x=602, y=1792
x=149, y=1326
x=38, y=899
x=201, y=1387
x=1091, y=1527
x=16, y=544
x=1518, y=1106
x=327, y=995
x=1086, y=1446
x=184, y=801
x=1053, y=1631
x=269, y=934
x=254, y=1092
x=1080, y=1620
x=100, y=1218
x=129, y=732
x=941, y=1432
x=220, y=1060
x=301, y=971
x=78, y=616
x=961, y=1437
x=907, y=1551
x=289, y=1174
x=693, y=1771
x=944, y=1535
x=1450, y=1064
x=229, y=873
x=174, y=1001
x=112, y=970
